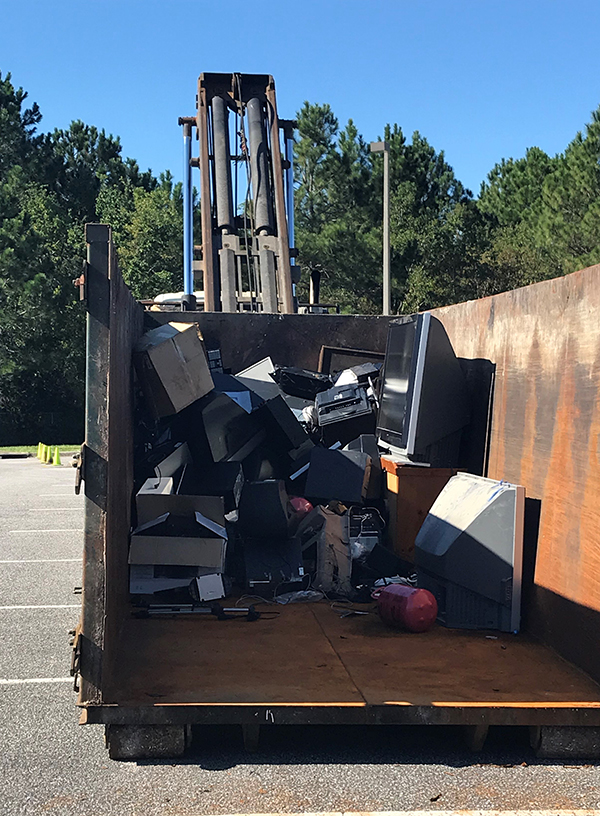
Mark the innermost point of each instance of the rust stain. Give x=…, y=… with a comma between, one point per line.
x=590, y=510
x=558, y=546
x=498, y=435
x=533, y=465
x=526, y=475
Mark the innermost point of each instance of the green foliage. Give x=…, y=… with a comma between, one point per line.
x=513, y=191
x=18, y=142
x=87, y=160
x=569, y=224
x=429, y=213
x=148, y=236
x=339, y=214
x=536, y=217
x=318, y=129
x=49, y=188
x=335, y=233
x=546, y=212
x=41, y=331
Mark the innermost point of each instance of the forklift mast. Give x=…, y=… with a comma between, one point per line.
x=247, y=255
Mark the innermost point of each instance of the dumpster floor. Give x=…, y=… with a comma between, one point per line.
x=309, y=654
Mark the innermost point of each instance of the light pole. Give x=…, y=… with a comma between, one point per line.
x=384, y=147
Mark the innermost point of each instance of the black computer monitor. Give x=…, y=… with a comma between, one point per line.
x=218, y=429
x=424, y=401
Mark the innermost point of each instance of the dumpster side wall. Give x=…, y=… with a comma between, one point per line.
x=115, y=322
x=291, y=339
x=544, y=341
x=126, y=328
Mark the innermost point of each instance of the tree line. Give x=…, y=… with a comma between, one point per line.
x=51, y=185
x=534, y=218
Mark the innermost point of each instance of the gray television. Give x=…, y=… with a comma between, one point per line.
x=469, y=553
x=424, y=402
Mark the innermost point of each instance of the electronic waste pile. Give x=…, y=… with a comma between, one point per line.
x=272, y=483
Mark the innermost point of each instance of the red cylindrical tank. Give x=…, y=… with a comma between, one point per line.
x=406, y=607
x=302, y=507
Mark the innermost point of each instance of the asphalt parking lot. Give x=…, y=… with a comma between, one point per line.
x=50, y=764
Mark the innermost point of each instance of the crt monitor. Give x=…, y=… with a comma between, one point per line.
x=469, y=553
x=424, y=400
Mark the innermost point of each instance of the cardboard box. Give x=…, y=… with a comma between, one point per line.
x=167, y=492
x=148, y=499
x=172, y=367
x=152, y=503
x=146, y=579
x=181, y=540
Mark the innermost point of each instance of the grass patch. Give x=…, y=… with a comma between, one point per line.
x=33, y=448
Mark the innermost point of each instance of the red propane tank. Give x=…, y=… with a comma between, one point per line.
x=407, y=607
x=301, y=507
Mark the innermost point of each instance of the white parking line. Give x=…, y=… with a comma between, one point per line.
x=54, y=509
x=47, y=531
x=44, y=561
x=10, y=682
x=43, y=606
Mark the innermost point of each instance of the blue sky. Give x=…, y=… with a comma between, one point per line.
x=481, y=80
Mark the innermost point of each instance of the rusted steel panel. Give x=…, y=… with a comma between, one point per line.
x=309, y=714
x=115, y=322
x=544, y=340
x=127, y=318
x=91, y=639
x=290, y=339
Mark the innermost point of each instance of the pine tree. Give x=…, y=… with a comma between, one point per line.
x=569, y=223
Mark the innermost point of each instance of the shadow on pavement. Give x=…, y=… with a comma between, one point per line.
x=217, y=748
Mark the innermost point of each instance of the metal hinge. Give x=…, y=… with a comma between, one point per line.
x=80, y=472
x=75, y=655
x=81, y=282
